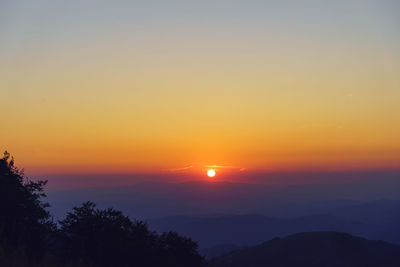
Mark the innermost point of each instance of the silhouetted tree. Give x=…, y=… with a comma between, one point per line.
x=94, y=237
x=179, y=251
x=24, y=220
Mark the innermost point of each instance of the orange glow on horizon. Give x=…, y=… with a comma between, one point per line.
x=127, y=93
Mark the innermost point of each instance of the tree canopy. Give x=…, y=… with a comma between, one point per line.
x=87, y=236
x=24, y=220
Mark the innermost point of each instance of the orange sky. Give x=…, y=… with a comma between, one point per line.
x=130, y=87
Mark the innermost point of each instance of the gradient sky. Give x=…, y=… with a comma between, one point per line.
x=149, y=86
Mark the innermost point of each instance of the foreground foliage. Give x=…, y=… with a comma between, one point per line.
x=88, y=236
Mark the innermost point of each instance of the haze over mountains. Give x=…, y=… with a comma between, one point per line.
x=225, y=215
x=220, y=234
x=329, y=249
x=292, y=197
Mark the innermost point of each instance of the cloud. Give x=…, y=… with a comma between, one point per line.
x=220, y=166
x=180, y=169
x=226, y=167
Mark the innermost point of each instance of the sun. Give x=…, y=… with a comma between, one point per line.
x=211, y=173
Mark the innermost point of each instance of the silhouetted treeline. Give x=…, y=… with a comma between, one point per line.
x=88, y=236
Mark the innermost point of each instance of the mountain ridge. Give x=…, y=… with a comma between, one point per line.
x=312, y=249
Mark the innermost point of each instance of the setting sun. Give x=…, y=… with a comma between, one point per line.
x=210, y=173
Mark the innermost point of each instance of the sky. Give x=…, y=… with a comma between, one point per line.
x=176, y=86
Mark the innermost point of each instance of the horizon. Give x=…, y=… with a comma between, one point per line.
x=58, y=181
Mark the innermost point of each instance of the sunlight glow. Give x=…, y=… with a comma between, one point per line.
x=210, y=173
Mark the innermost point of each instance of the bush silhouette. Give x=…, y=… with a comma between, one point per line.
x=179, y=251
x=88, y=236
x=94, y=237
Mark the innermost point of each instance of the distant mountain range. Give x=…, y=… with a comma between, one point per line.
x=243, y=230
x=219, y=234
x=328, y=249
x=224, y=215
x=159, y=199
